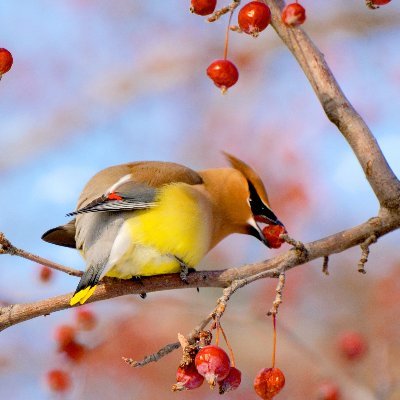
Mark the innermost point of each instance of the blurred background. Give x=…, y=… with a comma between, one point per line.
x=97, y=83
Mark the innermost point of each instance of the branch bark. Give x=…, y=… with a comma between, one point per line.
x=339, y=110
x=110, y=288
x=7, y=248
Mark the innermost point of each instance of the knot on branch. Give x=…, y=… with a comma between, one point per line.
x=365, y=252
x=370, y=5
x=325, y=265
x=332, y=108
x=190, y=348
x=298, y=246
x=5, y=245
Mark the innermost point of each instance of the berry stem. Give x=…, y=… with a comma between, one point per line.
x=229, y=346
x=274, y=340
x=227, y=35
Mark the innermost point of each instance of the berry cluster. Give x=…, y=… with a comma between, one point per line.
x=253, y=18
x=65, y=335
x=6, y=61
x=204, y=361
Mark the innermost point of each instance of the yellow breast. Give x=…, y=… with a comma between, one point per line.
x=180, y=225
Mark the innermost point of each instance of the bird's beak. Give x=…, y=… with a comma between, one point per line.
x=271, y=219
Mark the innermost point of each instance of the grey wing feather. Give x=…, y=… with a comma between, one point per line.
x=96, y=242
x=133, y=196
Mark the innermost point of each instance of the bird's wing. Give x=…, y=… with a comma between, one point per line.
x=123, y=187
x=129, y=197
x=132, y=186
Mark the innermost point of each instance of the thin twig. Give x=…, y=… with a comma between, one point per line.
x=224, y=10
x=365, y=253
x=169, y=347
x=7, y=248
x=278, y=298
x=153, y=357
x=325, y=269
x=295, y=243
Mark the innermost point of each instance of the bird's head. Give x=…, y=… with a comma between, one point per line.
x=241, y=199
x=261, y=212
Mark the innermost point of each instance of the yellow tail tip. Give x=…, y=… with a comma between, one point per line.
x=82, y=295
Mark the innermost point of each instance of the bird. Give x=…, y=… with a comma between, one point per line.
x=148, y=218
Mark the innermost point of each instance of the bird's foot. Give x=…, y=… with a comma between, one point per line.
x=185, y=270
x=138, y=279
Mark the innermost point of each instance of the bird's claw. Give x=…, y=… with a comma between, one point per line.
x=185, y=269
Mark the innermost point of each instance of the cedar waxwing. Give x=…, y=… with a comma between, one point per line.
x=150, y=218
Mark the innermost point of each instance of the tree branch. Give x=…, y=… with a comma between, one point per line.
x=110, y=287
x=339, y=110
x=7, y=248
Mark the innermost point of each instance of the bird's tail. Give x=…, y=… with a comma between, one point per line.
x=87, y=285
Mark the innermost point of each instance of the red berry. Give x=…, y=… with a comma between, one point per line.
x=352, y=345
x=224, y=74
x=213, y=363
x=254, y=17
x=271, y=234
x=6, y=61
x=58, y=380
x=294, y=14
x=202, y=7
x=64, y=334
x=380, y=2
x=231, y=382
x=187, y=378
x=269, y=382
x=328, y=391
x=85, y=319
x=74, y=351
x=45, y=273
